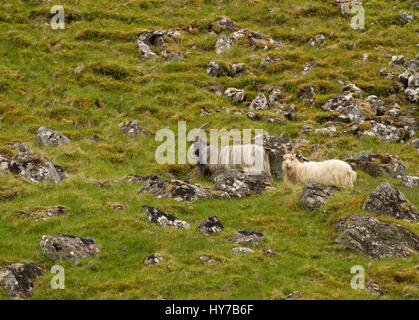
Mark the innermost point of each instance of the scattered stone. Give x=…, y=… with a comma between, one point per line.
x=18, y=280
x=305, y=129
x=116, y=205
x=31, y=166
x=294, y=295
x=275, y=96
x=221, y=69
x=373, y=289
x=266, y=118
x=415, y=143
x=208, y=260
x=317, y=41
x=410, y=181
x=179, y=190
x=66, y=247
x=376, y=164
x=397, y=60
x=49, y=137
x=270, y=253
x=259, y=103
x=251, y=238
x=412, y=90
x=385, y=132
x=95, y=138
x=153, y=259
x=239, y=184
x=241, y=250
x=239, y=34
x=223, y=24
x=131, y=128
x=307, y=95
x=288, y=112
x=141, y=178
x=388, y=201
x=237, y=95
x=376, y=239
x=152, y=37
x=222, y=44
x=210, y=225
x=45, y=213
x=309, y=66
x=145, y=51
x=161, y=218
x=266, y=61
x=314, y=195
x=406, y=17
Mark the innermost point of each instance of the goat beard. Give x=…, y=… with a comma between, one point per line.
x=290, y=175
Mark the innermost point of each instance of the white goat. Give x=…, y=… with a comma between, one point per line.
x=250, y=158
x=328, y=172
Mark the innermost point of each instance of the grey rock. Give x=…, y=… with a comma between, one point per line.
x=385, y=132
x=67, y=247
x=146, y=52
x=376, y=239
x=266, y=61
x=237, y=95
x=309, y=66
x=317, y=41
x=153, y=259
x=259, y=103
x=410, y=181
x=46, y=213
x=241, y=250
x=294, y=295
x=250, y=238
x=152, y=37
x=388, y=201
x=18, y=279
x=208, y=260
x=406, y=17
x=49, y=137
x=270, y=253
x=164, y=219
x=131, y=128
x=314, y=195
x=376, y=164
x=308, y=94
x=210, y=225
x=222, y=44
x=373, y=289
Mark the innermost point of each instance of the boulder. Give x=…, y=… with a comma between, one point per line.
x=315, y=195
x=410, y=181
x=241, y=250
x=145, y=51
x=259, y=103
x=67, y=247
x=222, y=44
x=217, y=68
x=239, y=184
x=164, y=219
x=376, y=164
x=210, y=225
x=251, y=238
x=385, y=132
x=237, y=95
x=49, y=137
x=152, y=37
x=18, y=279
x=376, y=239
x=223, y=24
x=386, y=200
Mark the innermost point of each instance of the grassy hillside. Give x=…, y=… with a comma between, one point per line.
x=88, y=78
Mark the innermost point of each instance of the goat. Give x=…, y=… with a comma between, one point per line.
x=250, y=158
x=328, y=172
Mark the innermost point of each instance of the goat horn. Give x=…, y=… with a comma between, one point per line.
x=295, y=147
x=204, y=125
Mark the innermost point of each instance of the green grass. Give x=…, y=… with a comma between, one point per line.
x=88, y=78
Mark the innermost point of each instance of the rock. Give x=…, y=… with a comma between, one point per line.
x=237, y=95
x=373, y=289
x=397, y=60
x=337, y=103
x=172, y=56
x=309, y=66
x=329, y=131
x=223, y=24
x=131, y=128
x=116, y=205
x=161, y=218
x=406, y=17
x=46, y=213
x=66, y=247
x=275, y=96
x=314, y=195
x=238, y=35
x=392, y=112
x=317, y=41
x=294, y=295
x=251, y=238
x=259, y=103
x=208, y=260
x=179, y=190
x=222, y=44
x=376, y=164
x=410, y=181
x=412, y=90
x=141, y=178
x=204, y=113
x=153, y=259
x=49, y=137
x=241, y=250
x=388, y=201
x=385, y=132
x=18, y=279
x=308, y=94
x=270, y=253
x=238, y=69
x=266, y=61
x=376, y=239
x=239, y=184
x=266, y=118
x=415, y=143
x=217, y=68
x=32, y=166
x=145, y=51
x=152, y=37
x=305, y=129
x=210, y=225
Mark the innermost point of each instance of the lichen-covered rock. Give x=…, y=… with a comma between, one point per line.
x=49, y=137
x=45, y=213
x=145, y=51
x=376, y=164
x=388, y=201
x=266, y=61
x=164, y=219
x=406, y=17
x=208, y=259
x=32, y=166
x=223, y=24
x=218, y=68
x=153, y=259
x=270, y=253
x=210, y=225
x=152, y=37
x=259, y=103
x=251, y=238
x=237, y=95
x=315, y=195
x=241, y=250
x=317, y=41
x=239, y=184
x=18, y=279
x=67, y=247
x=307, y=95
x=373, y=288
x=131, y=128
x=179, y=190
x=222, y=44
x=376, y=239
x=135, y=178
x=410, y=181
x=385, y=132
x=309, y=66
